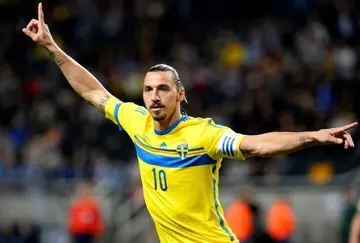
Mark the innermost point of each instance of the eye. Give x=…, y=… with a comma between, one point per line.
x=147, y=89
x=164, y=89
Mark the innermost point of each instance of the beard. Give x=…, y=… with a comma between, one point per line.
x=159, y=117
x=162, y=114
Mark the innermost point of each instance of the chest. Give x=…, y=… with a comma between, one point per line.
x=182, y=141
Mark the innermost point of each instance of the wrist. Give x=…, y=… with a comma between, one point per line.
x=308, y=138
x=52, y=47
x=56, y=54
x=312, y=137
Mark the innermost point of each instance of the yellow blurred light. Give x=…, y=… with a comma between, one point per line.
x=233, y=54
x=321, y=172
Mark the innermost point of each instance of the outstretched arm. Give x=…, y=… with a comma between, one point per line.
x=279, y=143
x=82, y=81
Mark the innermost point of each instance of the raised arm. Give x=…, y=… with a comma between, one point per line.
x=82, y=81
x=279, y=143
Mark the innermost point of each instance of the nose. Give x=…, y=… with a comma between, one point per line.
x=154, y=96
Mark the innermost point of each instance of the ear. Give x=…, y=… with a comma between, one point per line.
x=181, y=95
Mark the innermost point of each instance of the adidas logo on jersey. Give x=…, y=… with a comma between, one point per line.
x=163, y=145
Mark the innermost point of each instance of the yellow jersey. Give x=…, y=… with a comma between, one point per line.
x=179, y=170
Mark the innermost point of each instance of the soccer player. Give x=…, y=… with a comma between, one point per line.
x=179, y=155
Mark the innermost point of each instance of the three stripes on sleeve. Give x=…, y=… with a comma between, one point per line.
x=228, y=144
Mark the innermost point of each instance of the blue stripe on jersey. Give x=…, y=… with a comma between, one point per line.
x=231, y=143
x=116, y=111
x=217, y=208
x=227, y=146
x=172, y=161
x=164, y=149
x=141, y=110
x=224, y=146
x=166, y=131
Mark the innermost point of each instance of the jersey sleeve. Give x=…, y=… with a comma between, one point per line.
x=125, y=115
x=222, y=142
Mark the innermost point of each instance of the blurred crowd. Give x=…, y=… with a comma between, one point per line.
x=251, y=223
x=278, y=221
x=20, y=233
x=289, y=66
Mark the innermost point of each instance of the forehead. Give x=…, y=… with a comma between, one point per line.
x=158, y=78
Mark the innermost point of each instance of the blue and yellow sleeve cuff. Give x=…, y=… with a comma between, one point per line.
x=112, y=109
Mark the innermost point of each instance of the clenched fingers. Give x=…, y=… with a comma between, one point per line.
x=33, y=26
x=348, y=138
x=29, y=33
x=33, y=22
x=346, y=144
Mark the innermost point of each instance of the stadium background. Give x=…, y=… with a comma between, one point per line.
x=256, y=66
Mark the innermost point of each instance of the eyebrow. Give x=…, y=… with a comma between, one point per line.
x=159, y=86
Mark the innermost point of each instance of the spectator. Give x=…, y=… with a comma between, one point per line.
x=85, y=223
x=281, y=220
x=240, y=217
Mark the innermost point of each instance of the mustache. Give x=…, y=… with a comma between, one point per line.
x=156, y=105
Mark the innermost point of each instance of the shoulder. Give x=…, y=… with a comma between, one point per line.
x=134, y=116
x=205, y=128
x=126, y=114
x=115, y=106
x=132, y=107
x=198, y=125
x=203, y=122
x=210, y=127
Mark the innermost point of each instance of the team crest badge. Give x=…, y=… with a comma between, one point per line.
x=183, y=149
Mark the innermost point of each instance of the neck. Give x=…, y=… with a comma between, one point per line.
x=165, y=124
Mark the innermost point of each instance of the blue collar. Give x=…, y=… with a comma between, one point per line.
x=168, y=130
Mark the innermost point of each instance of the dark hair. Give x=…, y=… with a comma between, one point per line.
x=165, y=68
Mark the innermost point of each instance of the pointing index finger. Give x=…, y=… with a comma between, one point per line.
x=40, y=14
x=348, y=127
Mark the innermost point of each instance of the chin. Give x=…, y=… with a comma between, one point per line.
x=159, y=117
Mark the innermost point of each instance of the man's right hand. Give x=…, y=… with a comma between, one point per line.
x=38, y=31
x=80, y=79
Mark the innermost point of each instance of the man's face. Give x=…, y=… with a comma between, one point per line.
x=160, y=94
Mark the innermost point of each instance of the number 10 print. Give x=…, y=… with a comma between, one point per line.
x=161, y=177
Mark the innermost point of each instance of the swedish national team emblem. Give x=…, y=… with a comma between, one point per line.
x=183, y=149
